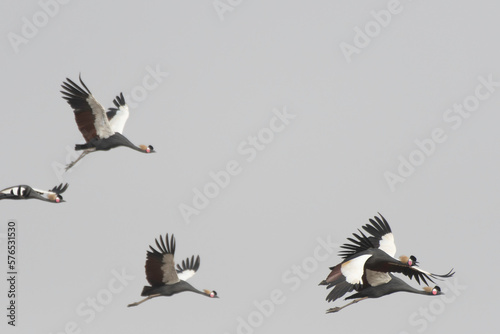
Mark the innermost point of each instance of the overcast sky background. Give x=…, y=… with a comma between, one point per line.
x=322, y=176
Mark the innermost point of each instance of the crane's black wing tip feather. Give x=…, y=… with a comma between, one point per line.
x=75, y=95
x=379, y=227
x=119, y=101
x=111, y=113
x=83, y=84
x=189, y=264
x=339, y=290
x=362, y=243
x=447, y=275
x=60, y=188
x=166, y=246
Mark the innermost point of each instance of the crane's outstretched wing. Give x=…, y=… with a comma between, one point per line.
x=415, y=272
x=118, y=116
x=381, y=238
x=189, y=268
x=15, y=192
x=59, y=189
x=90, y=115
x=51, y=194
x=383, y=262
x=345, y=277
x=160, y=267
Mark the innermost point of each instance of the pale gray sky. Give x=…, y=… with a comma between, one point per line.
x=325, y=113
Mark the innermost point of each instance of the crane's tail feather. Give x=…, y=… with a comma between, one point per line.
x=79, y=147
x=146, y=291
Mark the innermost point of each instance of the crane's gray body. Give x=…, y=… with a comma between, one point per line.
x=105, y=144
x=170, y=289
x=395, y=284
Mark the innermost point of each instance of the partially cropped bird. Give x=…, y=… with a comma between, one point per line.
x=369, y=259
x=26, y=192
x=102, y=131
x=393, y=284
x=163, y=276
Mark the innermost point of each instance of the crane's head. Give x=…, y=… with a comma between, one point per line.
x=56, y=198
x=211, y=294
x=147, y=149
x=410, y=261
x=433, y=291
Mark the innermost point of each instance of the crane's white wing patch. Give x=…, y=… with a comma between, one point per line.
x=188, y=267
x=119, y=119
x=16, y=191
x=387, y=244
x=353, y=269
x=186, y=274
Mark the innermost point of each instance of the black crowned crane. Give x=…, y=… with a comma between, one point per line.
x=163, y=276
x=102, y=131
x=369, y=259
x=26, y=192
x=393, y=284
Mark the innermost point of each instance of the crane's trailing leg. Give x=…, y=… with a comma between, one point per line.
x=84, y=153
x=142, y=301
x=336, y=309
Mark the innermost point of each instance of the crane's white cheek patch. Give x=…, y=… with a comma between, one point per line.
x=353, y=269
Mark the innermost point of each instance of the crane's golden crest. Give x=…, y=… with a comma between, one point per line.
x=143, y=147
x=404, y=258
x=52, y=197
x=427, y=289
